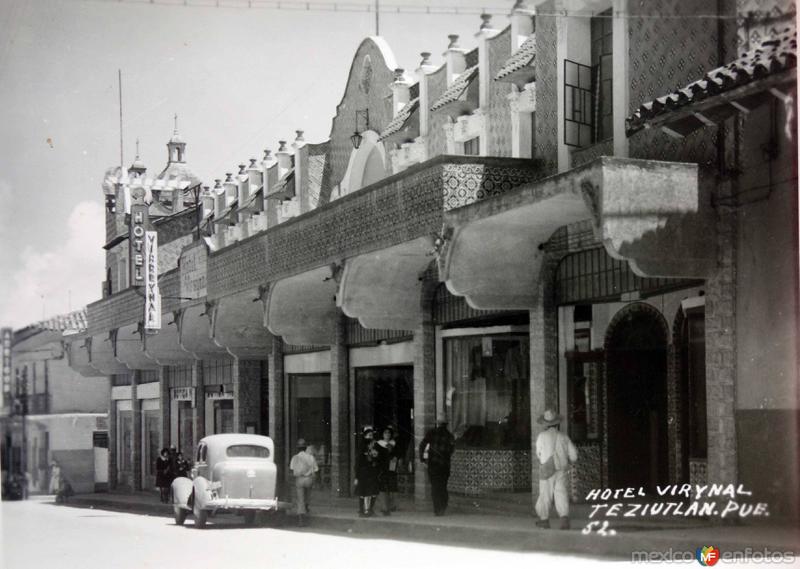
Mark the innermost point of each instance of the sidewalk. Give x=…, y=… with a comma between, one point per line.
x=469, y=528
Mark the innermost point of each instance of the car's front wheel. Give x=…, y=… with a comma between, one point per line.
x=180, y=515
x=200, y=516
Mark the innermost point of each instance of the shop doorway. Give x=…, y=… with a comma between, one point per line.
x=310, y=418
x=385, y=397
x=636, y=352
x=151, y=442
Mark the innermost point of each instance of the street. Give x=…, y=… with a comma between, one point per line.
x=37, y=533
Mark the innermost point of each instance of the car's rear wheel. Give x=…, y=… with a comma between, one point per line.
x=250, y=517
x=200, y=516
x=180, y=515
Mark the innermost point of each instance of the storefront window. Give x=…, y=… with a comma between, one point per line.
x=487, y=390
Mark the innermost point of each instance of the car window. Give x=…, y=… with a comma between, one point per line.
x=252, y=451
x=201, y=453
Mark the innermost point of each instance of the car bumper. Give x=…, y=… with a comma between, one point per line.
x=242, y=504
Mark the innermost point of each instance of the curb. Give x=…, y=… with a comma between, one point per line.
x=571, y=542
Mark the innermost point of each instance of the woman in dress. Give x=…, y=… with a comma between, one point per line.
x=367, y=473
x=163, y=474
x=387, y=473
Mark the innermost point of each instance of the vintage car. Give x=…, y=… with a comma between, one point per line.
x=232, y=473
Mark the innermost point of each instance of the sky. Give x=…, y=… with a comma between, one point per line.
x=239, y=80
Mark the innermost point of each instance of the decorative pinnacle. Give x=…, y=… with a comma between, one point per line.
x=217, y=183
x=299, y=137
x=228, y=176
x=252, y=163
x=486, y=21
x=267, y=154
x=176, y=123
x=137, y=148
x=426, y=58
x=453, y=41
x=281, y=146
x=398, y=74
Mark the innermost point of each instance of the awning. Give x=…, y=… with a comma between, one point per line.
x=102, y=355
x=398, y=123
x=456, y=94
x=284, y=189
x=302, y=308
x=520, y=68
x=743, y=84
x=78, y=355
x=238, y=325
x=655, y=215
x=194, y=329
x=130, y=348
x=382, y=289
x=164, y=345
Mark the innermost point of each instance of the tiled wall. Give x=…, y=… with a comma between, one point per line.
x=546, y=87
x=498, y=113
x=475, y=472
x=437, y=142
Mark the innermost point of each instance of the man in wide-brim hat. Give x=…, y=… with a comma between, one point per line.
x=555, y=451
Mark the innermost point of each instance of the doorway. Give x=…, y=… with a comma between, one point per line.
x=310, y=418
x=636, y=352
x=385, y=397
x=151, y=441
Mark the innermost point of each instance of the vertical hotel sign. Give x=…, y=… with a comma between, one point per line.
x=136, y=237
x=5, y=350
x=152, y=296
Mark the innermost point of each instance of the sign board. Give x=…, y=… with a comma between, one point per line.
x=136, y=233
x=6, y=335
x=219, y=395
x=152, y=296
x=183, y=394
x=193, y=266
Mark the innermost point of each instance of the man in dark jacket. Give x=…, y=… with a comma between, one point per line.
x=435, y=451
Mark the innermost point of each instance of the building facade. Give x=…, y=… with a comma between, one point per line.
x=52, y=414
x=541, y=221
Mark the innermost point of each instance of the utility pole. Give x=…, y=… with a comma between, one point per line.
x=377, y=17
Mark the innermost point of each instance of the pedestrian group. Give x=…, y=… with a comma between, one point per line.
x=376, y=470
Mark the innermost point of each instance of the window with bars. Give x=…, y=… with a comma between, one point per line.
x=602, y=75
x=578, y=104
x=588, y=89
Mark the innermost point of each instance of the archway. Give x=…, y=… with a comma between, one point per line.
x=367, y=164
x=636, y=376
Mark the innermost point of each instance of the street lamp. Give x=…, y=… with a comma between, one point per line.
x=356, y=137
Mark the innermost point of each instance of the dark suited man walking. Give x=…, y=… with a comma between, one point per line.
x=435, y=451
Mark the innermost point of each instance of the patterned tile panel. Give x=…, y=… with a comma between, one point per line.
x=474, y=472
x=499, y=112
x=437, y=142
x=546, y=116
x=757, y=19
x=586, y=474
x=464, y=184
x=775, y=54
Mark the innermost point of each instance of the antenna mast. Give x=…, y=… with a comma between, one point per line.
x=121, y=161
